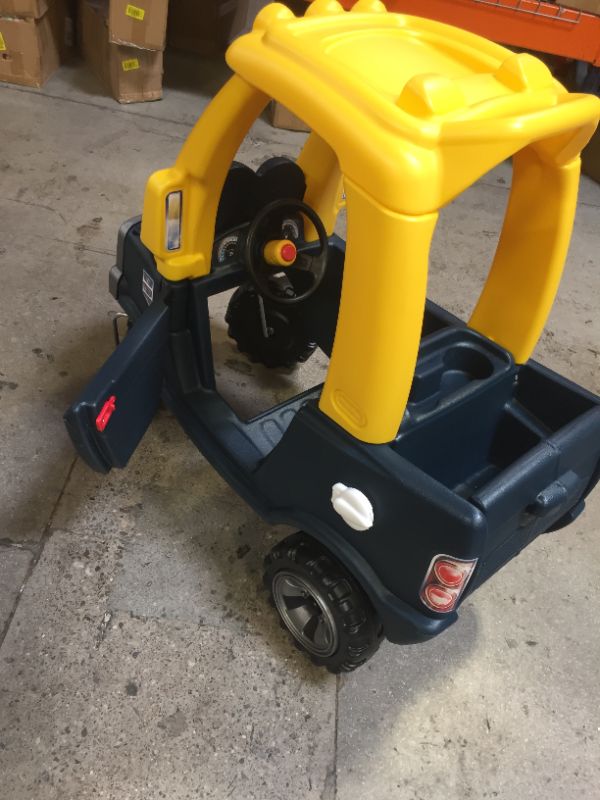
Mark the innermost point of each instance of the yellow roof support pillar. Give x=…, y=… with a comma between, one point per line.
x=324, y=186
x=524, y=277
x=381, y=314
x=199, y=174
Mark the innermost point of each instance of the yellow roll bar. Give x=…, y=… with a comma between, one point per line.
x=410, y=112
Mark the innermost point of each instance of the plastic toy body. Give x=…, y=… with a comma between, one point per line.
x=435, y=451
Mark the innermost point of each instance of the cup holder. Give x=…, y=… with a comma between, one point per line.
x=459, y=366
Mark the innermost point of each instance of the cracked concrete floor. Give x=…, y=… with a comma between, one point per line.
x=138, y=657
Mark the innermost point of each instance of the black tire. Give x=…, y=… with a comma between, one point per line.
x=286, y=346
x=331, y=594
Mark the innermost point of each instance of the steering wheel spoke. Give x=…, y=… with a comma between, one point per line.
x=281, y=284
x=303, y=262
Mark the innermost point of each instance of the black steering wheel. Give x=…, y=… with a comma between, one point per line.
x=278, y=270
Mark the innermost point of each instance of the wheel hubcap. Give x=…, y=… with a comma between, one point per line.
x=305, y=612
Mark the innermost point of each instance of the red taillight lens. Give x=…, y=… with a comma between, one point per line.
x=445, y=581
x=447, y=573
x=439, y=598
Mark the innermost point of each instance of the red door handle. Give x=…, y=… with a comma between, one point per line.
x=106, y=413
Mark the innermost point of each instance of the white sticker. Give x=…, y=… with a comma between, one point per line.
x=147, y=287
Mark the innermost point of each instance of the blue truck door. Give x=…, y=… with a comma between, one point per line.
x=109, y=418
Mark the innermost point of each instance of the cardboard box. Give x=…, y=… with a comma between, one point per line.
x=23, y=8
x=141, y=23
x=591, y=6
x=201, y=27
x=282, y=117
x=32, y=49
x=130, y=74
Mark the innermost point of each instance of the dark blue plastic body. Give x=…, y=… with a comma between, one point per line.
x=488, y=456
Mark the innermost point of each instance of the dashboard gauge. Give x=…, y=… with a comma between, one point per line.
x=227, y=248
x=290, y=228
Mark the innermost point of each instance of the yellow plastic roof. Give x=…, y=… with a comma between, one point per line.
x=393, y=94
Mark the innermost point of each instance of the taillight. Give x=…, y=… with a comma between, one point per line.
x=445, y=581
x=438, y=598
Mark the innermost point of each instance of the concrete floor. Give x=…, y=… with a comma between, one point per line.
x=138, y=657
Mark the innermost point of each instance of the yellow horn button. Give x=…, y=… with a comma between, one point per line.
x=280, y=252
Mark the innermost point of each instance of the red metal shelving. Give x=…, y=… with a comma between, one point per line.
x=531, y=24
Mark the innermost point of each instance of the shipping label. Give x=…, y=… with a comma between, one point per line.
x=135, y=12
x=129, y=64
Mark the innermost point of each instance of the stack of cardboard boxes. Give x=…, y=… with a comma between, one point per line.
x=123, y=44
x=33, y=38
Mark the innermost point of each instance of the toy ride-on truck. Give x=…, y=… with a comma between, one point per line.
x=436, y=449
